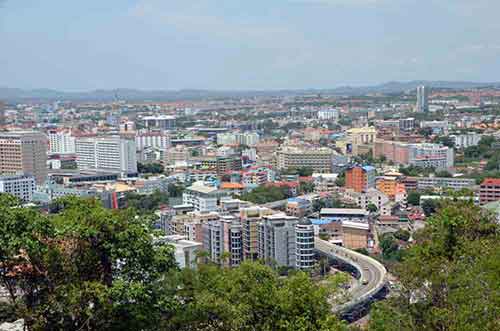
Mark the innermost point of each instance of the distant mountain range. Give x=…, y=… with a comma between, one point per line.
x=17, y=95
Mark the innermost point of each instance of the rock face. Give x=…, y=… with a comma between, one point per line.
x=14, y=326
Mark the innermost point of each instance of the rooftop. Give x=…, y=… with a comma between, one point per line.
x=491, y=182
x=345, y=211
x=356, y=225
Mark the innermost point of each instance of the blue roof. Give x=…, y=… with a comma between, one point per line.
x=322, y=221
x=368, y=168
x=299, y=200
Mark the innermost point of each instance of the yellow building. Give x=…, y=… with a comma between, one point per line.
x=358, y=141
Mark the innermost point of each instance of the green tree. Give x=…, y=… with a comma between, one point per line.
x=150, y=168
x=340, y=181
x=264, y=194
x=175, y=190
x=449, y=278
x=429, y=206
x=414, y=198
x=371, y=208
x=253, y=297
x=84, y=268
x=307, y=187
x=402, y=235
x=147, y=203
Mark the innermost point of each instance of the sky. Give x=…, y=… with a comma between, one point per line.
x=245, y=44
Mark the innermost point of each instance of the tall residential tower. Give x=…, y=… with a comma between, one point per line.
x=422, y=99
x=24, y=152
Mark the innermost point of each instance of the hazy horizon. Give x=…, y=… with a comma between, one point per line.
x=240, y=45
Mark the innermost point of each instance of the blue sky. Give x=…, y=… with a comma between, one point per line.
x=233, y=44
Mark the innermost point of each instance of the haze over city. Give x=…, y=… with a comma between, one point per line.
x=221, y=44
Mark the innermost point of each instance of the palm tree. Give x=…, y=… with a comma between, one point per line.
x=226, y=259
x=202, y=256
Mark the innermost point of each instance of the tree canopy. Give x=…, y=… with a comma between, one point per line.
x=84, y=268
x=265, y=194
x=449, y=277
x=90, y=268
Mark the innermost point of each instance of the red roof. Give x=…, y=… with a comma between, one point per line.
x=491, y=182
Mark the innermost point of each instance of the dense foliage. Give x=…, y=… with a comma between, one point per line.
x=302, y=171
x=84, y=268
x=89, y=268
x=146, y=203
x=150, y=168
x=450, y=277
x=265, y=194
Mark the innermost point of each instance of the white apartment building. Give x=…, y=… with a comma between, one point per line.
x=185, y=251
x=304, y=245
x=243, y=138
x=331, y=114
x=466, y=140
x=202, y=197
x=226, y=139
x=438, y=127
x=430, y=155
x=371, y=196
x=106, y=154
x=21, y=187
x=247, y=138
x=61, y=142
x=156, y=140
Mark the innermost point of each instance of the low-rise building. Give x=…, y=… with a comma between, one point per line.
x=489, y=191
x=325, y=182
x=355, y=234
x=22, y=187
x=185, y=251
x=298, y=207
x=452, y=183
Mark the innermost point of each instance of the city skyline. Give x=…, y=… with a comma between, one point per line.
x=293, y=44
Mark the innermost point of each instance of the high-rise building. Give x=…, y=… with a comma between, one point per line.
x=250, y=219
x=61, y=142
x=159, y=140
x=2, y=114
x=422, y=99
x=277, y=240
x=360, y=178
x=20, y=186
x=106, y=154
x=304, y=245
x=24, y=152
x=223, y=236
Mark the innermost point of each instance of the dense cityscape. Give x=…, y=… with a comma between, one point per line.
x=324, y=184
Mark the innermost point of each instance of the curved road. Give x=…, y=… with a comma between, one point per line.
x=370, y=270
